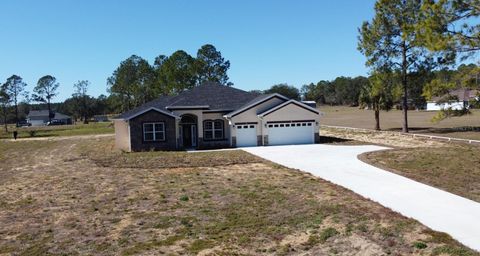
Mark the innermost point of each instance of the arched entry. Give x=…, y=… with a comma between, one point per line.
x=188, y=130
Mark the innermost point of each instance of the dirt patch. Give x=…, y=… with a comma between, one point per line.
x=72, y=205
x=390, y=139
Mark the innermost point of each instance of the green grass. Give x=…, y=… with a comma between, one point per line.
x=59, y=130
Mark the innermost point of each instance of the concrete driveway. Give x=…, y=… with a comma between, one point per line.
x=435, y=208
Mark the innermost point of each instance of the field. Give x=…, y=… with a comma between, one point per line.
x=77, y=196
x=419, y=121
x=59, y=130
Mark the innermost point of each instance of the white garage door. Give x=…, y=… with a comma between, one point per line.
x=291, y=133
x=246, y=135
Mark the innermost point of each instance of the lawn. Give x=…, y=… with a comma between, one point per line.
x=59, y=130
x=467, y=127
x=79, y=196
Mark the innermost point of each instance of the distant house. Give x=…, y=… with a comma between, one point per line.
x=41, y=117
x=462, y=98
x=100, y=118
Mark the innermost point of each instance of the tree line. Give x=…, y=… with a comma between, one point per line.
x=136, y=81
x=410, y=47
x=409, y=38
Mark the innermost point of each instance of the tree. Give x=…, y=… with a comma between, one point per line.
x=377, y=94
x=211, y=66
x=81, y=97
x=45, y=90
x=286, y=90
x=451, y=25
x=4, y=102
x=391, y=40
x=133, y=83
x=15, y=88
x=176, y=73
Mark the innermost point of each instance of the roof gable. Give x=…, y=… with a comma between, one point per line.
x=138, y=113
x=297, y=103
x=255, y=102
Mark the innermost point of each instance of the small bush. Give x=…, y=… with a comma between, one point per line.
x=420, y=245
x=327, y=233
x=184, y=198
x=32, y=133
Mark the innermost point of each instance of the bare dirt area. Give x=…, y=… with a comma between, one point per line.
x=465, y=127
x=60, y=197
x=385, y=138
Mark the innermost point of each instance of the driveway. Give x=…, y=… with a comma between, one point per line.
x=435, y=208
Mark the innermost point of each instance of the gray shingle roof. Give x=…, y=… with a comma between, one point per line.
x=44, y=113
x=214, y=95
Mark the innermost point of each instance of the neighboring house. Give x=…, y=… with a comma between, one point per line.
x=462, y=98
x=216, y=116
x=41, y=117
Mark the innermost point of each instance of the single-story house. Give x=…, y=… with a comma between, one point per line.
x=216, y=116
x=461, y=99
x=41, y=117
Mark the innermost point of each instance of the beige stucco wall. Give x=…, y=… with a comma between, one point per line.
x=215, y=116
x=200, y=118
x=251, y=114
x=122, y=135
x=197, y=113
x=292, y=112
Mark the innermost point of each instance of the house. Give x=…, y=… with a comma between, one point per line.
x=216, y=116
x=41, y=117
x=459, y=99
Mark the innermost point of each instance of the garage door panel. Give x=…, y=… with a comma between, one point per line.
x=291, y=133
x=246, y=135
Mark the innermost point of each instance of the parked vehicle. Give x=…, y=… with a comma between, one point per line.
x=23, y=124
x=55, y=122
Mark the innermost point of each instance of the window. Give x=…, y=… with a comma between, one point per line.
x=154, y=131
x=213, y=129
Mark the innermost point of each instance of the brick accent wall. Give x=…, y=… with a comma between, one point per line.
x=213, y=144
x=259, y=140
x=317, y=137
x=234, y=141
x=265, y=140
x=136, y=132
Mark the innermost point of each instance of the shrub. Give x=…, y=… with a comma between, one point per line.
x=327, y=233
x=32, y=133
x=184, y=198
x=419, y=245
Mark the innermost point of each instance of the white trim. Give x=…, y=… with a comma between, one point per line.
x=154, y=131
x=285, y=104
x=213, y=130
x=146, y=110
x=238, y=111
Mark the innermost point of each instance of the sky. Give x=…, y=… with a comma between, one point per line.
x=267, y=42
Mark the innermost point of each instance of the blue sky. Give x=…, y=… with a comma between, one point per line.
x=267, y=42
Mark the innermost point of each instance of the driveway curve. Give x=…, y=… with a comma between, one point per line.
x=435, y=208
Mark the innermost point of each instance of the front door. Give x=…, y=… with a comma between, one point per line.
x=189, y=133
